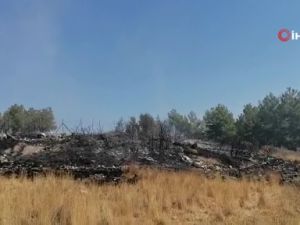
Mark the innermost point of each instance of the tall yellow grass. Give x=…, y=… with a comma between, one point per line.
x=160, y=198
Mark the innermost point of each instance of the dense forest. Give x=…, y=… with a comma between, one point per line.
x=275, y=121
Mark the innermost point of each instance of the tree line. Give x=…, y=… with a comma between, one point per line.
x=275, y=121
x=18, y=119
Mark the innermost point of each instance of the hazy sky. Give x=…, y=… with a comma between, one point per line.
x=100, y=60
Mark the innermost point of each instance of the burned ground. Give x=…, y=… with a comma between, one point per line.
x=105, y=157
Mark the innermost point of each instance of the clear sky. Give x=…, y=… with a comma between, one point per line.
x=100, y=60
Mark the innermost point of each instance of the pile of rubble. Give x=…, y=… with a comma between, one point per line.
x=102, y=158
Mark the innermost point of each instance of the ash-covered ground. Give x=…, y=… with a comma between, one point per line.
x=105, y=157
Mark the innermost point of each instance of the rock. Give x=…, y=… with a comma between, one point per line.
x=187, y=159
x=198, y=164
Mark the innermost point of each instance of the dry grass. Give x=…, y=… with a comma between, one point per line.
x=158, y=198
x=287, y=154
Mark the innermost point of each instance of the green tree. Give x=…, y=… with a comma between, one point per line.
x=220, y=124
x=14, y=118
x=18, y=119
x=39, y=120
x=45, y=120
x=247, y=124
x=289, y=119
x=268, y=129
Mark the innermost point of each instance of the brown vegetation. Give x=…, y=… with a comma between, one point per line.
x=159, y=197
x=287, y=154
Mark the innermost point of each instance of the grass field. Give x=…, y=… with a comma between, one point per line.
x=158, y=198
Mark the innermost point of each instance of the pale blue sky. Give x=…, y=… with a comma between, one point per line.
x=100, y=60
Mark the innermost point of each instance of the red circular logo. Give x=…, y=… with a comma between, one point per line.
x=284, y=35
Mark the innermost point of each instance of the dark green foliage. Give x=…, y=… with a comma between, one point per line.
x=275, y=121
x=268, y=119
x=247, y=125
x=220, y=124
x=289, y=119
